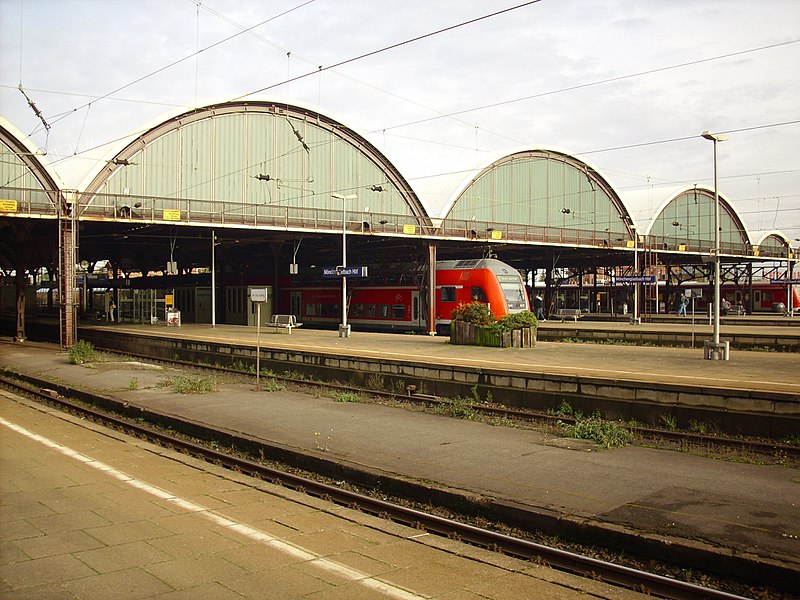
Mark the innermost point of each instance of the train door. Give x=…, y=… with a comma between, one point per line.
x=416, y=310
x=266, y=307
x=295, y=305
x=236, y=305
x=202, y=305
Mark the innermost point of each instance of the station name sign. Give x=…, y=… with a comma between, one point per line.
x=345, y=272
x=785, y=281
x=637, y=279
x=259, y=295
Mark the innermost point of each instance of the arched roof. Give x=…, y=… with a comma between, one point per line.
x=540, y=188
x=235, y=161
x=771, y=243
x=25, y=174
x=685, y=216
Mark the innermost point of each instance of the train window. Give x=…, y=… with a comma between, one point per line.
x=311, y=309
x=357, y=311
x=448, y=294
x=415, y=309
x=399, y=311
x=328, y=310
x=370, y=311
x=515, y=295
x=383, y=311
x=477, y=294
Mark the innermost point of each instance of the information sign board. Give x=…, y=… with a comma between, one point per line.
x=345, y=272
x=636, y=279
x=8, y=205
x=258, y=294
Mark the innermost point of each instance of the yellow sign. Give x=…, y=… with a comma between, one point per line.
x=409, y=229
x=497, y=235
x=8, y=206
x=630, y=244
x=682, y=247
x=169, y=300
x=756, y=251
x=172, y=214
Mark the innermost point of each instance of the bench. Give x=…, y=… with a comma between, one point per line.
x=287, y=322
x=573, y=313
x=738, y=310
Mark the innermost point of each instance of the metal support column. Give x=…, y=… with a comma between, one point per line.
x=67, y=234
x=431, y=288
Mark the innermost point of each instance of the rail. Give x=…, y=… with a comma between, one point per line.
x=554, y=557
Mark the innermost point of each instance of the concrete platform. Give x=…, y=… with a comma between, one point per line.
x=746, y=370
x=735, y=508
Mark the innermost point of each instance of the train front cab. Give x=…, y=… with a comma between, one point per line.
x=477, y=280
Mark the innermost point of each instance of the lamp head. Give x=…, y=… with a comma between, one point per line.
x=714, y=138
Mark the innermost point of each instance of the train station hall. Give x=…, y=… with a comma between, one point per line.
x=192, y=212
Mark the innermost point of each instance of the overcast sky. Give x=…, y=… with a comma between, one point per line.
x=628, y=85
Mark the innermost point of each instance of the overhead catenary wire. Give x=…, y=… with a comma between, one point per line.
x=389, y=47
x=643, y=143
x=592, y=84
x=60, y=116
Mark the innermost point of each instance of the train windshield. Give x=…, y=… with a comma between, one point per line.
x=513, y=292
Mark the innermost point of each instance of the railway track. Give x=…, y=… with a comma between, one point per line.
x=631, y=578
x=648, y=435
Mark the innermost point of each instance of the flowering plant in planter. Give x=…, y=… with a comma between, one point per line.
x=475, y=324
x=477, y=313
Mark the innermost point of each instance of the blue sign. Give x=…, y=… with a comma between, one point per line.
x=785, y=281
x=345, y=272
x=637, y=279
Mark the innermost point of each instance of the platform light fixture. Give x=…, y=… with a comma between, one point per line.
x=716, y=350
x=344, y=328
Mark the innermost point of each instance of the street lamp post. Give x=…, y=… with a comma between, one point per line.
x=344, y=328
x=637, y=319
x=213, y=279
x=790, y=254
x=716, y=350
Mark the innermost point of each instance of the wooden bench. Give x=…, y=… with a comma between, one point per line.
x=573, y=313
x=287, y=322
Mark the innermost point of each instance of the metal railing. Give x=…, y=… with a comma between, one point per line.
x=181, y=211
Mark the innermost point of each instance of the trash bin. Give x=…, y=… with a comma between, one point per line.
x=173, y=318
x=778, y=307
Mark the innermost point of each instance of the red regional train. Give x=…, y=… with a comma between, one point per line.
x=401, y=307
x=766, y=297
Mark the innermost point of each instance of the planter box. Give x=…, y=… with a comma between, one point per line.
x=469, y=334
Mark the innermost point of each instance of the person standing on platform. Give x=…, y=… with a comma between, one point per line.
x=538, y=307
x=684, y=303
x=110, y=307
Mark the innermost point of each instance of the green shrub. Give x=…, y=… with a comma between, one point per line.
x=520, y=320
x=474, y=312
x=609, y=434
x=191, y=384
x=81, y=352
x=459, y=408
x=272, y=385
